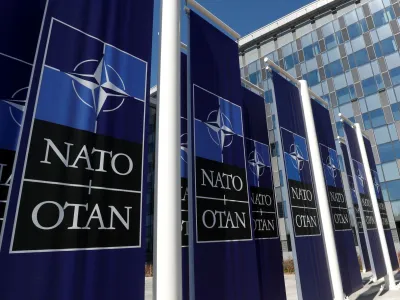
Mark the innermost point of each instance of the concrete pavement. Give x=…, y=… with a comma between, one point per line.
x=371, y=291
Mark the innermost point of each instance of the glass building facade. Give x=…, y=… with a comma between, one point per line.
x=349, y=56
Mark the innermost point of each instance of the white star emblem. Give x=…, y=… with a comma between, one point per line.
x=184, y=147
x=17, y=104
x=220, y=129
x=256, y=163
x=377, y=185
x=360, y=177
x=297, y=157
x=331, y=167
x=101, y=88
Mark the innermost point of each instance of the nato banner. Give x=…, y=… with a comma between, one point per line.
x=360, y=229
x=184, y=181
x=75, y=215
x=225, y=266
x=308, y=245
x=346, y=250
x=365, y=204
x=17, y=52
x=263, y=203
x=382, y=206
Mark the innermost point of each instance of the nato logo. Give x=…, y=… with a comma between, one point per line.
x=184, y=148
x=331, y=167
x=375, y=178
x=360, y=176
x=218, y=126
x=296, y=156
x=98, y=88
x=258, y=164
x=14, y=82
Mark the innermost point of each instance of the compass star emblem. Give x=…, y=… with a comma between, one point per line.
x=360, y=177
x=376, y=184
x=256, y=163
x=220, y=128
x=184, y=147
x=297, y=157
x=100, y=85
x=331, y=167
x=17, y=105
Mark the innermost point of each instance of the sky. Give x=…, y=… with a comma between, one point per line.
x=244, y=16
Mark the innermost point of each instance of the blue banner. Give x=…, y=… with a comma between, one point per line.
x=365, y=204
x=75, y=219
x=305, y=218
x=360, y=229
x=184, y=180
x=382, y=206
x=346, y=250
x=263, y=203
x=224, y=251
x=17, y=52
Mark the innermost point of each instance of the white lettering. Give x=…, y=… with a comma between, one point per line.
x=36, y=211
x=50, y=144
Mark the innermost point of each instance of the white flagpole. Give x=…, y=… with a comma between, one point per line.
x=390, y=282
x=167, y=215
x=321, y=194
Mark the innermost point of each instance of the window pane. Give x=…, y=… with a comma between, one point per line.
x=311, y=65
x=343, y=97
x=363, y=105
x=358, y=44
x=375, y=5
x=330, y=42
x=352, y=61
x=379, y=82
x=350, y=17
x=339, y=127
x=396, y=111
x=354, y=30
x=289, y=63
x=287, y=50
x=395, y=75
x=391, y=172
x=393, y=189
x=346, y=110
x=365, y=71
x=364, y=25
x=361, y=57
x=380, y=18
x=384, y=32
x=377, y=118
x=378, y=50
x=396, y=147
x=388, y=46
x=373, y=102
x=308, y=52
x=386, y=152
x=327, y=29
x=313, y=78
x=306, y=40
x=393, y=132
x=333, y=69
x=369, y=86
x=382, y=135
x=367, y=121
x=339, y=37
x=393, y=60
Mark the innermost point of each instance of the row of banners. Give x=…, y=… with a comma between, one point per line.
x=74, y=113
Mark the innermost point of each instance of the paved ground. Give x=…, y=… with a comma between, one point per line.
x=371, y=291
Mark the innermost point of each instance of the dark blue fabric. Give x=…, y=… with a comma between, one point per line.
x=222, y=269
x=310, y=250
x=376, y=250
x=348, y=262
x=363, y=245
x=77, y=275
x=383, y=211
x=268, y=250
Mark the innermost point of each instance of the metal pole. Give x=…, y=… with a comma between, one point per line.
x=167, y=215
x=273, y=65
x=321, y=191
x=390, y=282
x=213, y=18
